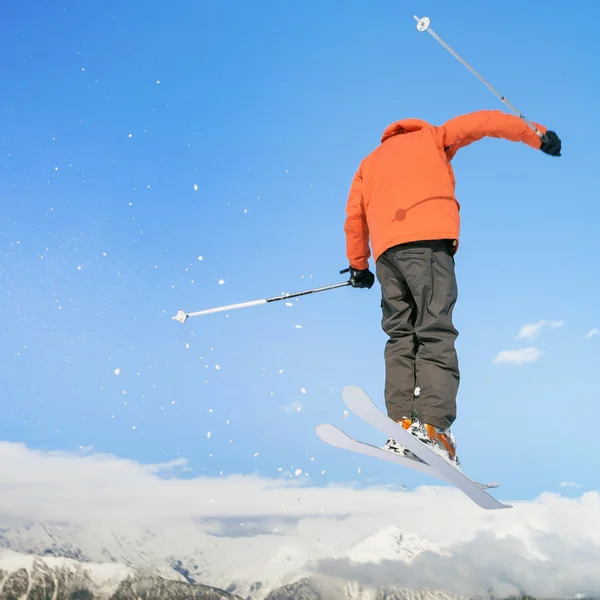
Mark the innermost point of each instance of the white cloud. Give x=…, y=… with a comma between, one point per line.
x=273, y=529
x=488, y=566
x=569, y=484
x=592, y=333
x=530, y=331
x=519, y=356
x=533, y=330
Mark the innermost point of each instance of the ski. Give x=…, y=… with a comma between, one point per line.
x=339, y=439
x=359, y=402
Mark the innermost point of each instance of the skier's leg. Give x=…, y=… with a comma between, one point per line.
x=397, y=306
x=428, y=269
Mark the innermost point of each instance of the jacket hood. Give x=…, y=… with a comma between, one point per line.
x=404, y=126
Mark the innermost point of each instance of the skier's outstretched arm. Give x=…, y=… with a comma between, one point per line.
x=355, y=227
x=466, y=129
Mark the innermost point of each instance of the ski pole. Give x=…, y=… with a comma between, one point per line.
x=423, y=25
x=182, y=316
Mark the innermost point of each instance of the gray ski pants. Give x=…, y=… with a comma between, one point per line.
x=419, y=291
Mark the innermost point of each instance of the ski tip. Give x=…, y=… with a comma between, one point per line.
x=329, y=433
x=322, y=428
x=350, y=390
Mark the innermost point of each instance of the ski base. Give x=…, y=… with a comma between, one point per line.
x=359, y=402
x=339, y=439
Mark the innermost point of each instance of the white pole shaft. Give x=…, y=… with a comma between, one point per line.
x=423, y=25
x=230, y=307
x=182, y=316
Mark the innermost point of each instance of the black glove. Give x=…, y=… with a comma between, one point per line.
x=551, y=144
x=361, y=279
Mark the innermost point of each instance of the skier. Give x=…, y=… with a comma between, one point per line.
x=402, y=202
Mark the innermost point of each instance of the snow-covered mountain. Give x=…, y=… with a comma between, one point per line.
x=29, y=577
x=181, y=557
x=392, y=544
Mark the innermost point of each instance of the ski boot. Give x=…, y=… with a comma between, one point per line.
x=392, y=446
x=441, y=441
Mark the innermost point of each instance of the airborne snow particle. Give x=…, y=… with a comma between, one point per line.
x=359, y=469
x=289, y=304
x=303, y=390
x=130, y=135
x=221, y=281
x=133, y=427
x=201, y=258
x=218, y=367
x=208, y=434
x=187, y=345
x=195, y=187
x=158, y=81
x=280, y=371
x=117, y=371
x=255, y=454
x=298, y=326
x=322, y=472
x=298, y=472
x=346, y=414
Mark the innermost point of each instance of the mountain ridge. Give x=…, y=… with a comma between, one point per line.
x=274, y=576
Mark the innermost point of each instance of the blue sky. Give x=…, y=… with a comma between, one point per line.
x=112, y=114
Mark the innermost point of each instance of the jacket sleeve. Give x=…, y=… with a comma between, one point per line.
x=355, y=227
x=466, y=129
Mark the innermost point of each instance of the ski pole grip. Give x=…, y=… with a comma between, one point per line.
x=347, y=270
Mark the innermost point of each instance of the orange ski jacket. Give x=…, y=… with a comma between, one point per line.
x=403, y=191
